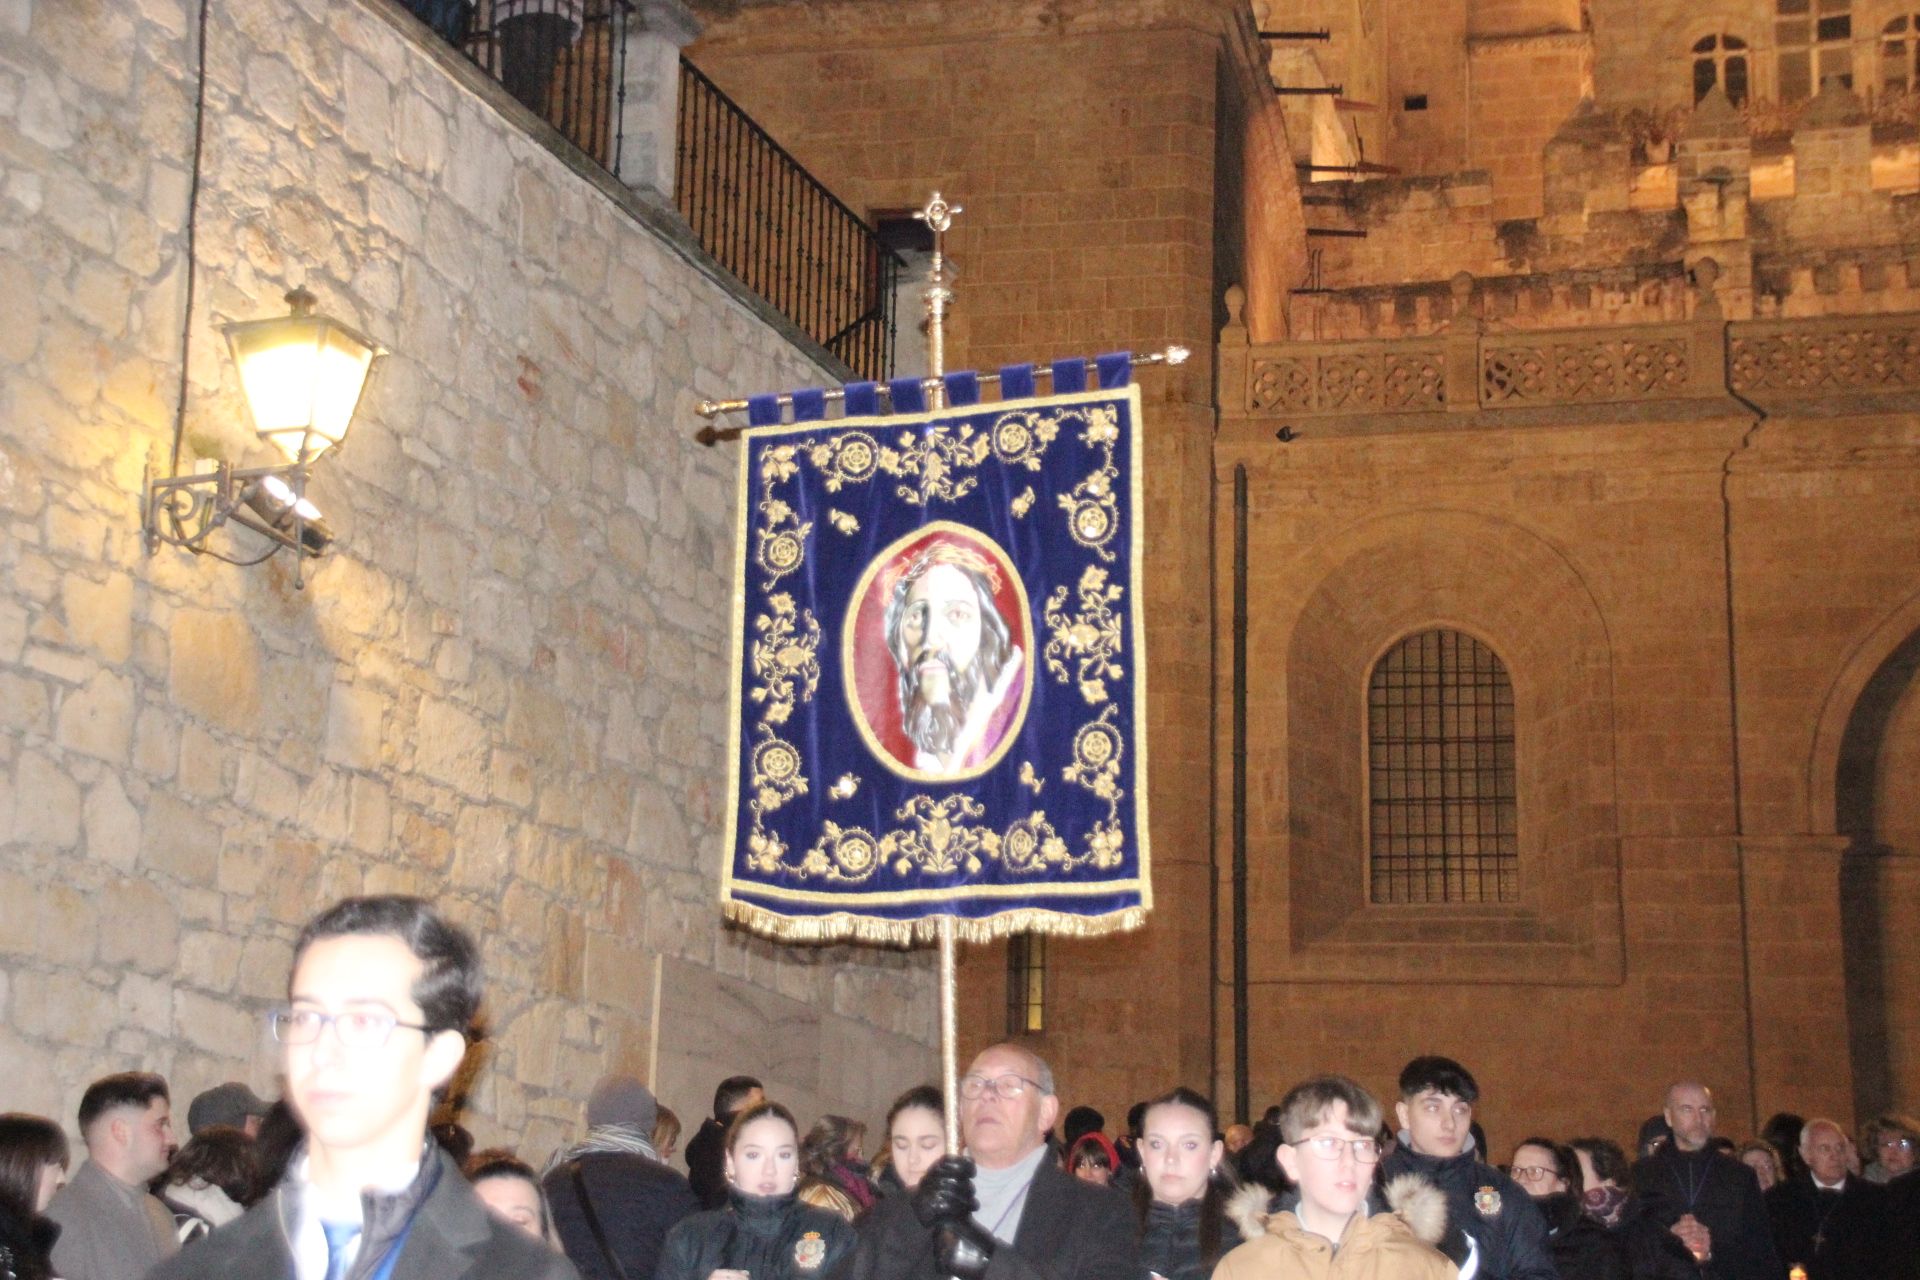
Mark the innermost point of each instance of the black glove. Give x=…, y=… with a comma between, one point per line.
x=945, y=1194
x=966, y=1248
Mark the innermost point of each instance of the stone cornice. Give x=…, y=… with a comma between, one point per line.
x=1530, y=42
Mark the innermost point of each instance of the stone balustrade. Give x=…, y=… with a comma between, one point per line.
x=1474, y=372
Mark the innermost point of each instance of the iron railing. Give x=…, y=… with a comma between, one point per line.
x=565, y=60
x=772, y=224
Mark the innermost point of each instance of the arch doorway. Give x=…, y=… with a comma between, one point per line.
x=1877, y=806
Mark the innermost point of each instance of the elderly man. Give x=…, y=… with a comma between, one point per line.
x=1706, y=1197
x=1007, y=1212
x=110, y=1228
x=1826, y=1220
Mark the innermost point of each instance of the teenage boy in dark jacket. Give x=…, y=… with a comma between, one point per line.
x=1491, y=1222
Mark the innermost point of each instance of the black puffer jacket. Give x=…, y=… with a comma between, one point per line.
x=768, y=1237
x=1484, y=1203
x=1170, y=1243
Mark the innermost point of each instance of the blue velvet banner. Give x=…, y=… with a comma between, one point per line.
x=938, y=688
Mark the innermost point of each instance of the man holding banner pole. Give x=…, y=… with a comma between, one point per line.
x=1005, y=1210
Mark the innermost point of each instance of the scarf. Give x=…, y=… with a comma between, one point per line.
x=1605, y=1203
x=608, y=1139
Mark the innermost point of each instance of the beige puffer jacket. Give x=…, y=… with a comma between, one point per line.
x=1396, y=1245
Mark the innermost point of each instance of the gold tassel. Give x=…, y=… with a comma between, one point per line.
x=906, y=933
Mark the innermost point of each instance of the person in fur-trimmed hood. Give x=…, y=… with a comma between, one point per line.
x=1334, y=1225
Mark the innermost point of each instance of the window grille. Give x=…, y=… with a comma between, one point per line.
x=1900, y=54
x=1815, y=42
x=1026, y=984
x=1720, y=60
x=1441, y=773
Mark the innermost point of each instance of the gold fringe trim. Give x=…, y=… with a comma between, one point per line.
x=845, y=927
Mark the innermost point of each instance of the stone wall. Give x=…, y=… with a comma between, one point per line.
x=505, y=687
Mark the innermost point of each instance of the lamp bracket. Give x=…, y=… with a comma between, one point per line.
x=186, y=510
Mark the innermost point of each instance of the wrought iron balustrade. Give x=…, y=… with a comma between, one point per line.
x=565, y=60
x=772, y=224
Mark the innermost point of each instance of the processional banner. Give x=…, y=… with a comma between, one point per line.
x=939, y=685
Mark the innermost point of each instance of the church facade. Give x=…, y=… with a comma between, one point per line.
x=1534, y=609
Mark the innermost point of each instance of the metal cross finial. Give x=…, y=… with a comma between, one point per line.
x=938, y=214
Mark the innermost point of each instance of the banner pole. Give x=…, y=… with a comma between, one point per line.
x=938, y=215
x=949, y=1036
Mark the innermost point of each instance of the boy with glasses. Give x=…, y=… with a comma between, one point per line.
x=378, y=1005
x=1335, y=1225
x=1493, y=1229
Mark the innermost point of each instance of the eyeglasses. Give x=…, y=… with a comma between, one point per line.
x=1009, y=1086
x=1896, y=1144
x=1328, y=1147
x=1533, y=1173
x=356, y=1029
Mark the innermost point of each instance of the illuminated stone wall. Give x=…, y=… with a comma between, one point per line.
x=503, y=689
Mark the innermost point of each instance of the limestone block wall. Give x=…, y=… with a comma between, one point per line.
x=504, y=688
x=1622, y=528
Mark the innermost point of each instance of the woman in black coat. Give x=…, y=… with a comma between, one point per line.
x=1182, y=1193
x=764, y=1232
x=33, y=1165
x=1583, y=1248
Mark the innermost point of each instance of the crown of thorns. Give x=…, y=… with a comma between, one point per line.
x=943, y=552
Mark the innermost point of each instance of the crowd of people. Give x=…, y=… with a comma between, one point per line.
x=346, y=1179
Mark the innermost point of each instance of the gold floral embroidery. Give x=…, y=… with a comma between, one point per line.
x=843, y=522
x=784, y=658
x=1097, y=749
x=1090, y=639
x=1093, y=510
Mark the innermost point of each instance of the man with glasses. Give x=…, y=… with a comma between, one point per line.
x=1336, y=1221
x=1709, y=1200
x=1004, y=1211
x=378, y=1005
x=1494, y=1230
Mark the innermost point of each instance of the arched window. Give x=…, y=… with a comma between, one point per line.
x=1440, y=784
x=1720, y=60
x=1815, y=42
x=1900, y=54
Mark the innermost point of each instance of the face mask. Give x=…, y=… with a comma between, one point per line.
x=1605, y=1203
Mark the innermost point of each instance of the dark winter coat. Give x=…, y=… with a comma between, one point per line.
x=1069, y=1230
x=1653, y=1251
x=1852, y=1226
x=26, y=1244
x=1507, y=1230
x=1582, y=1247
x=1723, y=1194
x=636, y=1202
x=707, y=1165
x=1170, y=1238
x=768, y=1237
x=1903, y=1225
x=452, y=1237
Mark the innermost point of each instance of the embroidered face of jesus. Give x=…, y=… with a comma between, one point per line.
x=951, y=647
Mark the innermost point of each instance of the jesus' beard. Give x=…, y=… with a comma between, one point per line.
x=933, y=726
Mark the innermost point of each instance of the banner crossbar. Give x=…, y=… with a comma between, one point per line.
x=710, y=409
